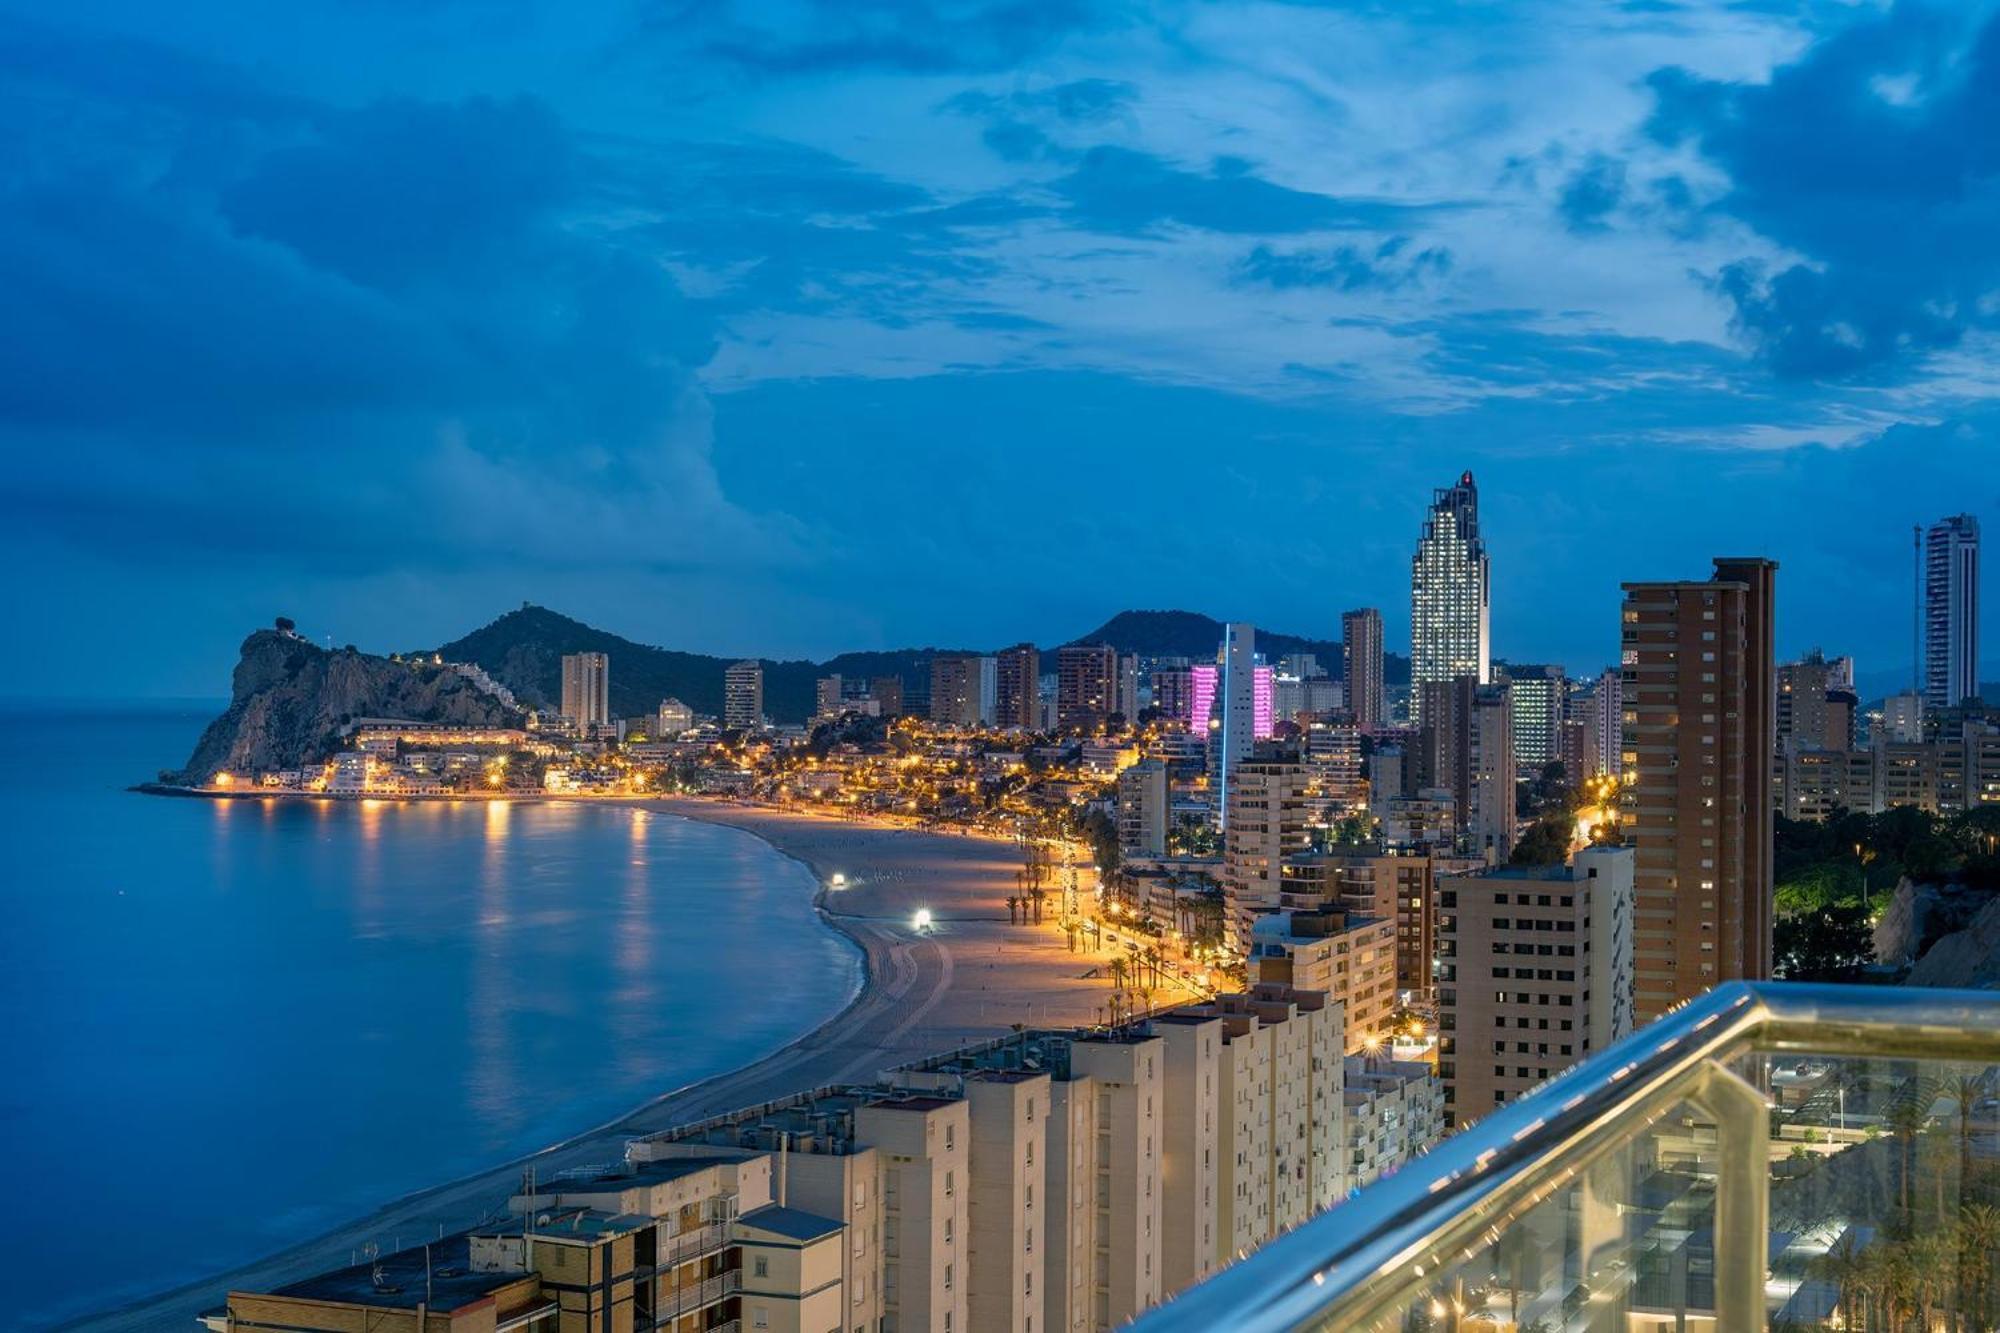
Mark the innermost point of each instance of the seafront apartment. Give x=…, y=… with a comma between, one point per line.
x=1056, y=1180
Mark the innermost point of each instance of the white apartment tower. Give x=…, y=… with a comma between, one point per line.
x=1951, y=611
x=586, y=689
x=743, y=696
x=1450, y=592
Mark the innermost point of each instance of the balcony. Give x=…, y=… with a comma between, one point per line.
x=1768, y=1156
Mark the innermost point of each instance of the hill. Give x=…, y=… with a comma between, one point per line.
x=290, y=700
x=524, y=650
x=1190, y=634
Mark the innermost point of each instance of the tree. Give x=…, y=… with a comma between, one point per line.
x=1906, y=1119
x=1827, y=944
x=1844, y=1267
x=1546, y=843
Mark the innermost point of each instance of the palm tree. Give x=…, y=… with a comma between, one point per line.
x=1119, y=969
x=1906, y=1119
x=1978, y=1234
x=1037, y=894
x=1845, y=1267
x=1929, y=1256
x=1965, y=1088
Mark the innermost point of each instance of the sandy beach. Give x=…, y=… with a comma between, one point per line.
x=973, y=975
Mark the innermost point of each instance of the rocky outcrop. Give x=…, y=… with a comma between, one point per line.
x=1965, y=958
x=1899, y=933
x=291, y=702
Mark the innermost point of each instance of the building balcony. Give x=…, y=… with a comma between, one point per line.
x=1767, y=1156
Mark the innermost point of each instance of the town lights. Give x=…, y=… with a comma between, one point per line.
x=839, y=880
x=922, y=920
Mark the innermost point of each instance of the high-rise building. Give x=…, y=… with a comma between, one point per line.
x=1086, y=684
x=1233, y=726
x=1902, y=718
x=1127, y=705
x=827, y=697
x=586, y=688
x=1814, y=710
x=887, y=692
x=1361, y=658
x=1144, y=810
x=1607, y=718
x=1016, y=685
x=955, y=690
x=1951, y=611
x=743, y=696
x=1466, y=747
x=1173, y=693
x=1264, y=823
x=1535, y=974
x=1537, y=694
x=1700, y=730
x=1450, y=590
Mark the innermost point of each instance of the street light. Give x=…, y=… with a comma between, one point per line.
x=922, y=920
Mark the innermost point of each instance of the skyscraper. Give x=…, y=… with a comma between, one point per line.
x=1538, y=694
x=1450, y=590
x=1233, y=732
x=1361, y=655
x=586, y=689
x=955, y=691
x=1086, y=684
x=1466, y=747
x=743, y=696
x=1700, y=703
x=1017, y=683
x=1951, y=611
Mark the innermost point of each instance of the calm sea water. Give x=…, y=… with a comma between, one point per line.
x=225, y=1026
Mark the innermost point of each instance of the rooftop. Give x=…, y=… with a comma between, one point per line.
x=791, y=1222
x=398, y=1281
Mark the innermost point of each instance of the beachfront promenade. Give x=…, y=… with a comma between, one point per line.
x=973, y=976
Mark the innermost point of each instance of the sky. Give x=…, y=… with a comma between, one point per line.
x=794, y=327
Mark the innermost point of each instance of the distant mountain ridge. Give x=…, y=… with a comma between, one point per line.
x=291, y=700
x=523, y=649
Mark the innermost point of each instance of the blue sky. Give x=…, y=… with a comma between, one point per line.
x=792, y=328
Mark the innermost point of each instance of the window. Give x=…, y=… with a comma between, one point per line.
x=947, y=1287
x=949, y=1134
x=760, y=1316
x=761, y=1266
x=948, y=1185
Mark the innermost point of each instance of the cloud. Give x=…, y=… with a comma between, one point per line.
x=1346, y=268
x=1125, y=191
x=840, y=36
x=395, y=332
x=1872, y=159
x=1591, y=193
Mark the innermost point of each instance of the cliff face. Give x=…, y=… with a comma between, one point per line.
x=290, y=700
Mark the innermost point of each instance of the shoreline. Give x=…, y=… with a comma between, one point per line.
x=916, y=996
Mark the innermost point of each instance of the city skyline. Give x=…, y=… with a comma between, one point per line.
x=773, y=270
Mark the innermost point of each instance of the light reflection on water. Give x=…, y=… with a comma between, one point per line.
x=263, y=1017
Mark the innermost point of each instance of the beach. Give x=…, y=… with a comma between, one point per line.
x=972, y=974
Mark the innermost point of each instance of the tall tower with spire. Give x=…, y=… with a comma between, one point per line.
x=1450, y=595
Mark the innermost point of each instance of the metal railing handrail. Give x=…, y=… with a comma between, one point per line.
x=1352, y=1262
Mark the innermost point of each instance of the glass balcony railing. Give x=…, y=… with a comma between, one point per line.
x=1769, y=1156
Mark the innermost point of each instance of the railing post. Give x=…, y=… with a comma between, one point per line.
x=1742, y=1193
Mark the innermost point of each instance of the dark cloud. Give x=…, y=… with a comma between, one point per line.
x=1128, y=192
x=395, y=319
x=1875, y=158
x=1347, y=268
x=1591, y=193
x=839, y=36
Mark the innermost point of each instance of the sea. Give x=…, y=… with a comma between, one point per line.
x=226, y=1026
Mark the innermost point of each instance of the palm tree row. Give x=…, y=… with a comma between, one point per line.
x=1940, y=1279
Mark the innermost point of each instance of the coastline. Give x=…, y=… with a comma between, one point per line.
x=918, y=994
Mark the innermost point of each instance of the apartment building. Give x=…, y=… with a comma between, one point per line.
x=1536, y=974
x=1699, y=733
x=1264, y=824
x=1347, y=957
x=1394, y=1112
